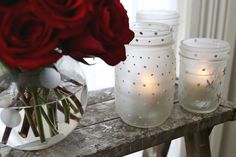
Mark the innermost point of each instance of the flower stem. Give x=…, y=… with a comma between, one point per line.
x=51, y=113
x=66, y=106
x=25, y=128
x=38, y=116
x=51, y=116
x=50, y=124
x=29, y=115
x=73, y=117
x=72, y=106
x=6, y=135
x=74, y=98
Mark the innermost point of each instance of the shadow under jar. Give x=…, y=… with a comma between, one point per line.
x=144, y=82
x=202, y=69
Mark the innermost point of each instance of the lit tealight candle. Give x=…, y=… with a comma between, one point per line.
x=203, y=77
x=149, y=86
x=196, y=89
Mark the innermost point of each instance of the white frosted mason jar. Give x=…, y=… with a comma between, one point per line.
x=144, y=82
x=202, y=69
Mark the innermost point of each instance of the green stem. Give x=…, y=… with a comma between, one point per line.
x=66, y=106
x=73, y=117
x=38, y=116
x=54, y=112
x=50, y=124
x=67, y=111
x=51, y=117
x=29, y=115
x=72, y=106
x=69, y=101
x=51, y=110
x=73, y=98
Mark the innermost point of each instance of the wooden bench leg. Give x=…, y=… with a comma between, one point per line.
x=197, y=144
x=160, y=151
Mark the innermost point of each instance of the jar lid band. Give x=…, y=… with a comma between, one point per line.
x=150, y=26
x=204, y=56
x=204, y=48
x=161, y=40
x=157, y=15
x=151, y=34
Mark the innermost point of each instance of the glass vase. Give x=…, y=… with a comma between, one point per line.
x=202, y=69
x=144, y=82
x=40, y=108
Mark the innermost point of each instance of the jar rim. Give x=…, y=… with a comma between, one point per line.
x=150, y=29
x=151, y=33
x=204, y=49
x=158, y=14
x=204, y=45
x=154, y=26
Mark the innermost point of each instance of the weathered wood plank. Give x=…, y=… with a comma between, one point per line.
x=106, y=135
x=101, y=95
x=98, y=113
x=230, y=105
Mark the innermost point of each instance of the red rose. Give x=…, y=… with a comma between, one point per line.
x=107, y=34
x=25, y=41
x=111, y=23
x=6, y=5
x=70, y=15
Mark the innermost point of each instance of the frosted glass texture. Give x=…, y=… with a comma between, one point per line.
x=167, y=17
x=144, y=82
x=202, y=70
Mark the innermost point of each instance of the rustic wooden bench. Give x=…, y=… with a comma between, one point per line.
x=103, y=134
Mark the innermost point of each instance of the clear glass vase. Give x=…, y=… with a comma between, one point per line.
x=40, y=108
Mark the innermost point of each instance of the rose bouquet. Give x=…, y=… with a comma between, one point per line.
x=34, y=37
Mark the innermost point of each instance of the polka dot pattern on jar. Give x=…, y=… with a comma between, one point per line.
x=215, y=49
x=141, y=68
x=146, y=77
